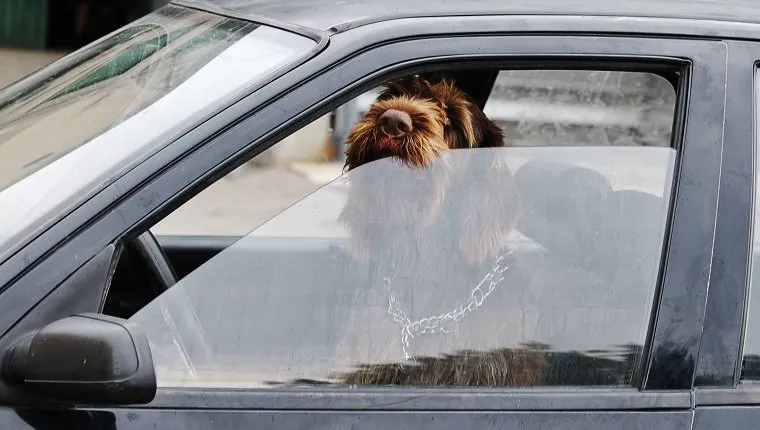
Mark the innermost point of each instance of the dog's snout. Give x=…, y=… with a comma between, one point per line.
x=395, y=123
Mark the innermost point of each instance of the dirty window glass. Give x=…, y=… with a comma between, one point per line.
x=491, y=267
x=79, y=123
x=583, y=107
x=106, y=84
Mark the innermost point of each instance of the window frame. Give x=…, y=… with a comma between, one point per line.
x=722, y=350
x=718, y=380
x=696, y=174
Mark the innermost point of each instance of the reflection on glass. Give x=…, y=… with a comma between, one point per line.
x=496, y=267
x=85, y=120
x=105, y=84
x=583, y=107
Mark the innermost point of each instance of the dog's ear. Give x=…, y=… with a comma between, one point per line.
x=351, y=217
x=491, y=209
x=492, y=134
x=479, y=130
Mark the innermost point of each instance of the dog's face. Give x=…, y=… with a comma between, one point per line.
x=415, y=120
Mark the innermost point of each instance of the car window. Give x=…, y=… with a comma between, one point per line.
x=85, y=119
x=577, y=107
x=530, y=264
x=580, y=107
x=490, y=267
x=751, y=360
x=533, y=107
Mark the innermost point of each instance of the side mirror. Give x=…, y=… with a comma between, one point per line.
x=84, y=359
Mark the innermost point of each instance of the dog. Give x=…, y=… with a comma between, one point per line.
x=429, y=218
x=415, y=120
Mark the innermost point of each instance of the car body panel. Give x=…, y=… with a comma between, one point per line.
x=721, y=417
x=725, y=313
x=329, y=14
x=194, y=419
x=723, y=400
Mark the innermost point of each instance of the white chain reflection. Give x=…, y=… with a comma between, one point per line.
x=442, y=323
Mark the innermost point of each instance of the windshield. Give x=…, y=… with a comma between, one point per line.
x=68, y=129
x=535, y=258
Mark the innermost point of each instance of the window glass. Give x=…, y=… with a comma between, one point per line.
x=85, y=119
x=533, y=107
x=260, y=189
x=751, y=360
x=579, y=107
x=107, y=83
x=500, y=267
x=530, y=264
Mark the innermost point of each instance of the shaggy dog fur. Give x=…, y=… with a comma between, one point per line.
x=439, y=117
x=432, y=220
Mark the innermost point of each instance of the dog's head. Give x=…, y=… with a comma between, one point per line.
x=415, y=120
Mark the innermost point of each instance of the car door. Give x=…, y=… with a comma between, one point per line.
x=655, y=391
x=726, y=381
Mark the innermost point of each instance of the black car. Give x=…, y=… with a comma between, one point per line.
x=624, y=298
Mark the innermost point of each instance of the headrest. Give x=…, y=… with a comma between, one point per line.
x=563, y=205
x=574, y=213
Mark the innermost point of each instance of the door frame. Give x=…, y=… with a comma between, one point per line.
x=722, y=340
x=722, y=399
x=676, y=328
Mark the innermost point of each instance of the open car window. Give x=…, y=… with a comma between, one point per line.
x=490, y=267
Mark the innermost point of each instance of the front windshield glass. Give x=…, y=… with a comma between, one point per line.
x=68, y=129
x=499, y=266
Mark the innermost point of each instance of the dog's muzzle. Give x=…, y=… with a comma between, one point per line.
x=395, y=123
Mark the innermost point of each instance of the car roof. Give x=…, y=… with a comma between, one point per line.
x=324, y=15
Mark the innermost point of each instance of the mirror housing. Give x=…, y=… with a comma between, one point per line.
x=84, y=359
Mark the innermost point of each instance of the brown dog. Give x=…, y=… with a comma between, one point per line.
x=415, y=120
x=431, y=218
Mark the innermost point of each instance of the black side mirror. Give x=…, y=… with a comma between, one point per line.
x=84, y=359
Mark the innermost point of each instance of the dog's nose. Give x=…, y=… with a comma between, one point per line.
x=395, y=123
